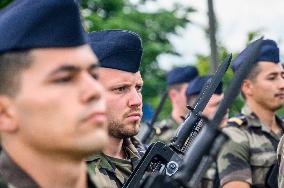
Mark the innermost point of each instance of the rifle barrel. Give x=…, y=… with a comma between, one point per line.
x=194, y=116
x=209, y=133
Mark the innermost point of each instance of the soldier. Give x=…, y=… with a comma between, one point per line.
x=120, y=53
x=52, y=110
x=210, y=179
x=177, y=81
x=245, y=161
x=193, y=91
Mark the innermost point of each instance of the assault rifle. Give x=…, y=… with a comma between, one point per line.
x=206, y=146
x=151, y=130
x=163, y=158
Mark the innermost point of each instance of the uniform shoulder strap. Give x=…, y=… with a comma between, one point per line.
x=237, y=121
x=161, y=127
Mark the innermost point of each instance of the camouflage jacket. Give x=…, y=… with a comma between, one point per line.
x=209, y=178
x=165, y=130
x=111, y=172
x=12, y=176
x=250, y=152
x=280, y=156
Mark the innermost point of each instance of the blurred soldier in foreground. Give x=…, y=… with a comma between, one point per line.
x=52, y=107
x=247, y=158
x=192, y=92
x=177, y=81
x=120, y=53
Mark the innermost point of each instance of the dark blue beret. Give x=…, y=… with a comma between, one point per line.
x=268, y=52
x=181, y=75
x=28, y=24
x=195, y=86
x=117, y=49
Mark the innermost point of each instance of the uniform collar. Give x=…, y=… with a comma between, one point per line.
x=254, y=121
x=13, y=174
x=173, y=122
x=134, y=150
x=17, y=177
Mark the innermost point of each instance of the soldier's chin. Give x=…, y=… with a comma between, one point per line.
x=277, y=107
x=101, y=141
x=130, y=133
x=126, y=133
x=88, y=145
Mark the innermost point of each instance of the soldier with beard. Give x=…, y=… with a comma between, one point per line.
x=120, y=53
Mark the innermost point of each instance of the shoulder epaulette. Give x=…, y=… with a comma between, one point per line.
x=237, y=121
x=161, y=127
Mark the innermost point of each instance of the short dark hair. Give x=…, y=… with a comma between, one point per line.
x=191, y=100
x=11, y=66
x=254, y=72
x=176, y=87
x=252, y=75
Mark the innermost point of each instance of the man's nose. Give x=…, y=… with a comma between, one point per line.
x=135, y=98
x=91, y=89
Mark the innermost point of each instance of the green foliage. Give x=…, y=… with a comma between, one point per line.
x=153, y=27
x=3, y=3
x=204, y=68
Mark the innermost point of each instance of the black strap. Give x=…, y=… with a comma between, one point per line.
x=216, y=182
x=272, y=175
x=3, y=183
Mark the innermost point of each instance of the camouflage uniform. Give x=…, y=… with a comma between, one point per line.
x=250, y=153
x=112, y=172
x=209, y=178
x=280, y=156
x=165, y=130
x=12, y=176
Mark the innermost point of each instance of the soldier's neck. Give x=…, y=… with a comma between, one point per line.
x=50, y=169
x=176, y=115
x=266, y=116
x=115, y=148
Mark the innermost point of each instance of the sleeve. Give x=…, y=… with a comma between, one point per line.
x=233, y=160
x=280, y=157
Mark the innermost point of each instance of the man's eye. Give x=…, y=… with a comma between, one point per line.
x=271, y=78
x=95, y=76
x=139, y=88
x=64, y=79
x=120, y=89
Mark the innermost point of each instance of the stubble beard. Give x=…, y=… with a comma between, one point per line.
x=120, y=130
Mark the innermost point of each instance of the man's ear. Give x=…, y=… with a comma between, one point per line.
x=8, y=121
x=172, y=94
x=246, y=87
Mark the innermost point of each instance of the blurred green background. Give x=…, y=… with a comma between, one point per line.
x=154, y=28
